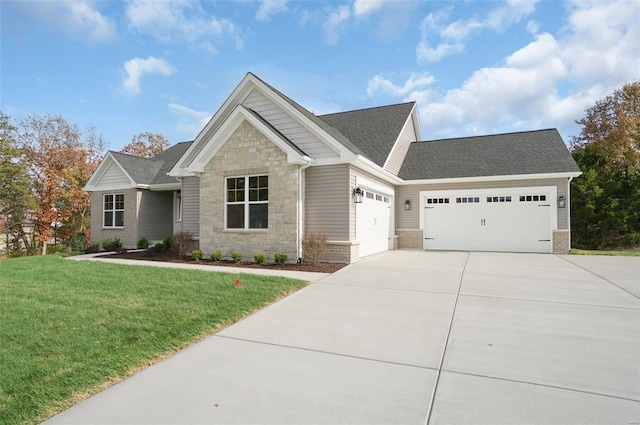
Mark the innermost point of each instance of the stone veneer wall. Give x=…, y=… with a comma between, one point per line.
x=410, y=238
x=129, y=233
x=247, y=152
x=561, y=242
x=342, y=252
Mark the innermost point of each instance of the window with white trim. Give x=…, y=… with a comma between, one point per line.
x=247, y=202
x=113, y=210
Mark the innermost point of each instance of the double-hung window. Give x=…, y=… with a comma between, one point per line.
x=247, y=202
x=113, y=210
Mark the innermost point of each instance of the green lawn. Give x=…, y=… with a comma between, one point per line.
x=615, y=253
x=70, y=328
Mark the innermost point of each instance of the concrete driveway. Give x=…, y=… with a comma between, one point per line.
x=411, y=337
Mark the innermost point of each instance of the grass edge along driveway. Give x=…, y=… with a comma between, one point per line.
x=70, y=329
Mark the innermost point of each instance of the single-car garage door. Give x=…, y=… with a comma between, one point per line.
x=511, y=220
x=373, y=225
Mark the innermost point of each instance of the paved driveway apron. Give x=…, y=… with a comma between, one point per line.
x=412, y=337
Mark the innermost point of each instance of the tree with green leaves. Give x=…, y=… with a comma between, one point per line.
x=606, y=198
x=16, y=200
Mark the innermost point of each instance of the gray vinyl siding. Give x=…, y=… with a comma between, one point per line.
x=399, y=151
x=191, y=205
x=327, y=201
x=155, y=215
x=411, y=219
x=295, y=132
x=113, y=177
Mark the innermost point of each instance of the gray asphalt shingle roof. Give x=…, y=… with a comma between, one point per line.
x=152, y=170
x=374, y=130
x=530, y=152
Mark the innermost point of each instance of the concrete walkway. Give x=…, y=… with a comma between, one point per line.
x=411, y=337
x=104, y=257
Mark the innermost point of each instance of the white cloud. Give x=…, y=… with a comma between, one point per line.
x=268, y=8
x=365, y=7
x=547, y=83
x=452, y=36
x=178, y=20
x=136, y=68
x=191, y=121
x=84, y=18
x=430, y=54
x=78, y=19
x=378, y=84
x=335, y=24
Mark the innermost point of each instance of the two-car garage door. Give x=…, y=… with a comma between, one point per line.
x=514, y=220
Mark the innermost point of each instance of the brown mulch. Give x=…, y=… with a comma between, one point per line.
x=174, y=258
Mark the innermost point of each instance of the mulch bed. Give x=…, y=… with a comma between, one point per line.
x=174, y=258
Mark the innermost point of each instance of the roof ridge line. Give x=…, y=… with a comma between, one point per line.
x=369, y=108
x=485, y=135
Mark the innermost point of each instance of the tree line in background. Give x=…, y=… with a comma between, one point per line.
x=605, y=200
x=45, y=162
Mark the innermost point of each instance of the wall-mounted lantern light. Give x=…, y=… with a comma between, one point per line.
x=358, y=195
x=407, y=205
x=562, y=203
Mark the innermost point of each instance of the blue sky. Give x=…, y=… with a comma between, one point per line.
x=474, y=67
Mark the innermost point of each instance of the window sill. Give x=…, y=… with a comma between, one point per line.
x=113, y=228
x=245, y=231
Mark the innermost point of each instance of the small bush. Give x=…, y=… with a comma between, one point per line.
x=196, y=254
x=315, y=247
x=166, y=243
x=260, y=258
x=79, y=243
x=216, y=256
x=111, y=244
x=280, y=258
x=152, y=251
x=122, y=250
x=93, y=248
x=143, y=243
x=237, y=256
x=181, y=242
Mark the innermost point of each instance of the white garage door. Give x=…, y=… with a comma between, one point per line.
x=511, y=220
x=373, y=223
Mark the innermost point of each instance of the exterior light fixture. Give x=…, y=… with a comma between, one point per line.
x=407, y=205
x=358, y=195
x=562, y=203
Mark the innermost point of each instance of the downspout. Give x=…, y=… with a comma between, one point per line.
x=300, y=205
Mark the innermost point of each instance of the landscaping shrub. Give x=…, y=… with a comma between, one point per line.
x=260, y=258
x=216, y=256
x=280, y=258
x=111, y=244
x=79, y=243
x=143, y=243
x=237, y=256
x=121, y=250
x=181, y=242
x=315, y=247
x=93, y=248
x=166, y=243
x=152, y=251
x=196, y=254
